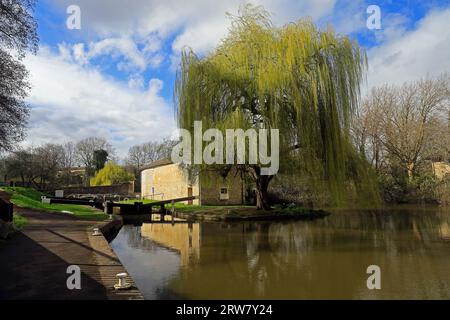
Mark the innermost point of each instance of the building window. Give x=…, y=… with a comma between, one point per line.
x=224, y=194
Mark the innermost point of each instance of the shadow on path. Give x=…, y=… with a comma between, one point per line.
x=30, y=271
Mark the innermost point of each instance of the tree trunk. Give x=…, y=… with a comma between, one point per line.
x=410, y=170
x=262, y=184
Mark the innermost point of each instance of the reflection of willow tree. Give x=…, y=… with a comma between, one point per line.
x=297, y=79
x=322, y=259
x=277, y=252
x=261, y=258
x=383, y=226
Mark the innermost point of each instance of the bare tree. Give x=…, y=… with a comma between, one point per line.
x=13, y=110
x=140, y=155
x=19, y=164
x=18, y=34
x=69, y=155
x=37, y=167
x=48, y=160
x=366, y=129
x=137, y=157
x=17, y=25
x=85, y=151
x=408, y=123
x=165, y=148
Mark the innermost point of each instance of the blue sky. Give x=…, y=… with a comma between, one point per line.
x=115, y=76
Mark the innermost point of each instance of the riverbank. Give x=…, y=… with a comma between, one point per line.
x=239, y=213
x=31, y=199
x=324, y=259
x=35, y=260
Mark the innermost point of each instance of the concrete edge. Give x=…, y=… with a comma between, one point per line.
x=101, y=243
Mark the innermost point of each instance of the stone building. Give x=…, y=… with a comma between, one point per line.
x=440, y=169
x=163, y=180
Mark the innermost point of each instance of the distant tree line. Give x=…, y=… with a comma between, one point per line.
x=79, y=163
x=401, y=130
x=50, y=164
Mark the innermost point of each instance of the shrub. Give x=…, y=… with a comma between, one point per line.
x=111, y=174
x=443, y=191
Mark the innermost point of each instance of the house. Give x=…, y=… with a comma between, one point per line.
x=73, y=176
x=163, y=180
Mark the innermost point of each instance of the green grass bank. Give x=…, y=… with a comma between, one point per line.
x=31, y=199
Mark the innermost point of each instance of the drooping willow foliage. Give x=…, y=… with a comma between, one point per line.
x=298, y=79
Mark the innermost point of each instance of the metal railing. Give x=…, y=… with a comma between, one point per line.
x=101, y=197
x=152, y=196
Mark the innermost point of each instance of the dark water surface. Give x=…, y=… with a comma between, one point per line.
x=322, y=259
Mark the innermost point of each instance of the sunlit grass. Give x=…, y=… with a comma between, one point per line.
x=19, y=221
x=31, y=199
x=183, y=207
x=132, y=201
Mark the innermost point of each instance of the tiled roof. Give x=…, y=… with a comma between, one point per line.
x=157, y=163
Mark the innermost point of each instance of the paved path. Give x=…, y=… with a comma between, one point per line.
x=34, y=262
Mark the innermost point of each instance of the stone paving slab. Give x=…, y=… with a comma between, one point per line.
x=33, y=264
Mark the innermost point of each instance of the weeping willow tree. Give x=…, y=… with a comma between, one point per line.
x=298, y=79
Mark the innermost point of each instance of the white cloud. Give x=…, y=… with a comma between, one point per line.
x=201, y=36
x=79, y=55
x=72, y=99
x=136, y=30
x=346, y=16
x=136, y=81
x=119, y=46
x=123, y=51
x=198, y=23
x=70, y=102
x=153, y=44
x=413, y=54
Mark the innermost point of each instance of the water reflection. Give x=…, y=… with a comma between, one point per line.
x=322, y=259
x=151, y=265
x=184, y=238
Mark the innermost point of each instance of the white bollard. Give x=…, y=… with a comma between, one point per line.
x=96, y=232
x=46, y=200
x=123, y=284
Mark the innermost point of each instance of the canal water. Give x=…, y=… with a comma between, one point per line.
x=321, y=259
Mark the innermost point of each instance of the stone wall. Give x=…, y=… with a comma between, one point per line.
x=119, y=189
x=440, y=169
x=212, y=183
x=170, y=182
x=167, y=182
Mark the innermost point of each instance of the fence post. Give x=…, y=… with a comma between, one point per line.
x=6, y=211
x=137, y=206
x=108, y=207
x=10, y=207
x=172, y=211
